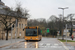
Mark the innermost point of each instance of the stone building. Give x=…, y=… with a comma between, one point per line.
x=21, y=25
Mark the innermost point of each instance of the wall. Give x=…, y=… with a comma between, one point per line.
x=20, y=33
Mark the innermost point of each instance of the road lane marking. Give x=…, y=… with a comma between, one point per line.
x=33, y=45
x=55, y=44
x=64, y=46
x=48, y=44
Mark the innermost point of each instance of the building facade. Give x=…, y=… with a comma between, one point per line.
x=16, y=33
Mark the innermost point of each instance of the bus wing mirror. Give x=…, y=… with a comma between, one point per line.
x=23, y=29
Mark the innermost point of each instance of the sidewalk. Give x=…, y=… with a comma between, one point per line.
x=6, y=42
x=70, y=45
x=68, y=38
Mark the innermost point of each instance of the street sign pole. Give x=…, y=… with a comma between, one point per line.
x=45, y=34
x=66, y=33
x=58, y=34
x=47, y=30
x=11, y=34
x=16, y=31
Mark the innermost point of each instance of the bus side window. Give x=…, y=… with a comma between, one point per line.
x=39, y=31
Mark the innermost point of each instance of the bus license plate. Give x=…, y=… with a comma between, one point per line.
x=31, y=39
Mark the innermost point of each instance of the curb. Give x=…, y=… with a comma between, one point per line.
x=63, y=45
x=9, y=44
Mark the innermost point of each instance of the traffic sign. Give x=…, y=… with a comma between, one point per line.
x=41, y=31
x=47, y=30
x=66, y=30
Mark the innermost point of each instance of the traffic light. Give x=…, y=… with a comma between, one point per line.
x=71, y=31
x=13, y=25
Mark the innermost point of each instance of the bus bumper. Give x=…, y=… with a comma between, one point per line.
x=31, y=39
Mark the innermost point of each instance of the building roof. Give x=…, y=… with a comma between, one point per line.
x=10, y=13
x=2, y=5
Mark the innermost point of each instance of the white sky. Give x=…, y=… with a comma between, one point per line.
x=44, y=8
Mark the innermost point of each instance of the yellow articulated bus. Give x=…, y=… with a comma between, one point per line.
x=32, y=33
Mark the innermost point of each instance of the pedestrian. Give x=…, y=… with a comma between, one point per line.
x=72, y=37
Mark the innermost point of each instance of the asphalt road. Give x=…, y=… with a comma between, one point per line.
x=44, y=44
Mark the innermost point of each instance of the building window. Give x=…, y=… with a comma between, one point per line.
x=19, y=25
x=19, y=33
x=5, y=34
x=22, y=25
x=25, y=24
x=0, y=24
x=15, y=34
x=9, y=34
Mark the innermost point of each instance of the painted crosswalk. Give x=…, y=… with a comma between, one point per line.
x=35, y=45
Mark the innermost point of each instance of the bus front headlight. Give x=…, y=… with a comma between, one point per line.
x=25, y=38
x=36, y=38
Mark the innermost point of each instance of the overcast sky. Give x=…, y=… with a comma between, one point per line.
x=44, y=8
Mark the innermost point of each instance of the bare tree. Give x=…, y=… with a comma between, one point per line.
x=7, y=20
x=71, y=17
x=8, y=15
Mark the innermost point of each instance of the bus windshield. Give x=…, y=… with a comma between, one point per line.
x=31, y=32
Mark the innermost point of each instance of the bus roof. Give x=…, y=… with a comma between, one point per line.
x=31, y=27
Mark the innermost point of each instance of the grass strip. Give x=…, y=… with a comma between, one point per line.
x=65, y=40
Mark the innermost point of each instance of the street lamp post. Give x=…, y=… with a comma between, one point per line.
x=63, y=11
x=63, y=16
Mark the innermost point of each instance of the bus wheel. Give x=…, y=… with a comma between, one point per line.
x=27, y=40
x=40, y=40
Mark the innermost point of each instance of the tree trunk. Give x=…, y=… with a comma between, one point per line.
x=7, y=35
x=2, y=36
x=62, y=35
